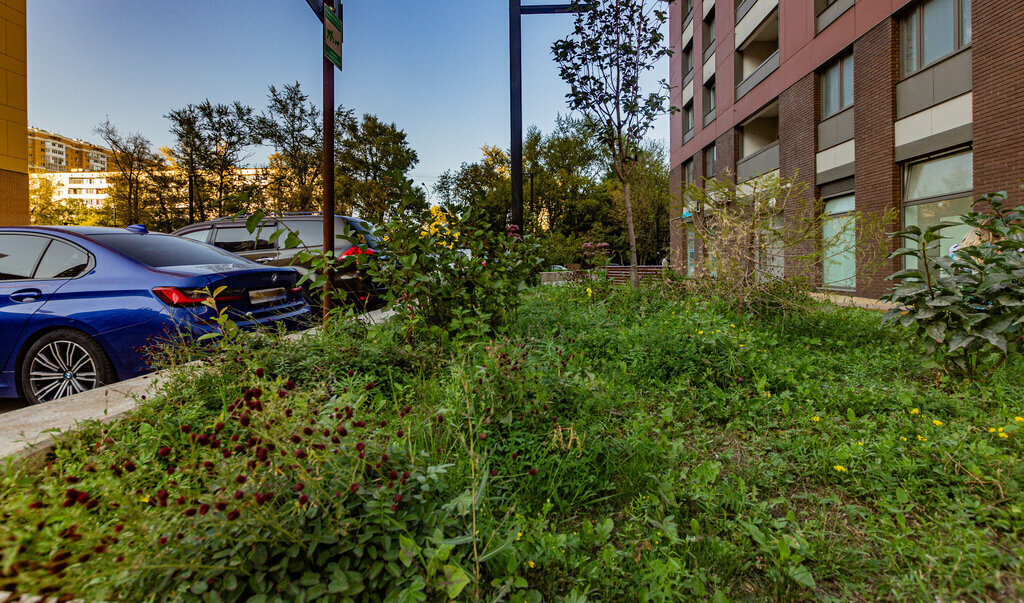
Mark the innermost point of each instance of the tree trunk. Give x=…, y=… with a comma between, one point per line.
x=191, y=198
x=633, y=278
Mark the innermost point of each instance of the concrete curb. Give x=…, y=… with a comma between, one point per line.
x=28, y=434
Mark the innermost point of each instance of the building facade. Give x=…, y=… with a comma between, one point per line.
x=869, y=102
x=13, y=113
x=91, y=187
x=49, y=152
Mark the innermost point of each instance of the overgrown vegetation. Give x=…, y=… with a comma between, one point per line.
x=967, y=307
x=609, y=445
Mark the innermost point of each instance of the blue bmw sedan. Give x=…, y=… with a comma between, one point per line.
x=80, y=306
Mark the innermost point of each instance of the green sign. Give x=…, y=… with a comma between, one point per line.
x=333, y=36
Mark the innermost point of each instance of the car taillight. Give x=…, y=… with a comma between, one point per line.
x=355, y=250
x=296, y=289
x=172, y=296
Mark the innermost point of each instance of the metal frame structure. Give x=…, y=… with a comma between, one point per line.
x=515, y=40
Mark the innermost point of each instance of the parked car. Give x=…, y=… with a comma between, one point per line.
x=80, y=305
x=231, y=234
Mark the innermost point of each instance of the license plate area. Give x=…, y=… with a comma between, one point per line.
x=259, y=297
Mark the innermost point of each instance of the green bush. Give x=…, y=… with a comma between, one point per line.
x=969, y=307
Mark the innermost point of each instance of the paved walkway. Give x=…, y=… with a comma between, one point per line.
x=31, y=431
x=855, y=302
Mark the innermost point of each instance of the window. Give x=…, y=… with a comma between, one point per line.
x=688, y=174
x=61, y=261
x=709, y=34
x=310, y=232
x=197, y=235
x=19, y=255
x=837, y=86
x=939, y=190
x=688, y=117
x=691, y=252
x=237, y=240
x=821, y=5
x=839, y=240
x=160, y=251
x=934, y=30
x=710, y=158
x=709, y=97
x=687, y=59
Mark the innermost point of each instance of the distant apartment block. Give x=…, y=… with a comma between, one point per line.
x=13, y=114
x=90, y=187
x=49, y=152
x=870, y=102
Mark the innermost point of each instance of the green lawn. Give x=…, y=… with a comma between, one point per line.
x=609, y=446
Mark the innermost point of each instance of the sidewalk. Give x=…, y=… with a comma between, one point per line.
x=855, y=302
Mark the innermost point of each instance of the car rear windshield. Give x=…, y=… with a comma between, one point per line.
x=158, y=250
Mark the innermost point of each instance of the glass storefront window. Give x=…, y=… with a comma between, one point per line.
x=839, y=240
x=950, y=174
x=925, y=215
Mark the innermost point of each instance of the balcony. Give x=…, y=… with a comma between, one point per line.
x=757, y=52
x=759, y=144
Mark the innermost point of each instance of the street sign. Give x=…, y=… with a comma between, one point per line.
x=333, y=36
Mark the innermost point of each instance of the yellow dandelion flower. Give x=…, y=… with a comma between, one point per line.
x=921, y=438
x=519, y=535
x=839, y=468
x=700, y=332
x=937, y=423
x=915, y=411
x=1003, y=435
x=815, y=418
x=1019, y=419
x=903, y=438
x=1000, y=430
x=860, y=443
x=991, y=429
x=531, y=564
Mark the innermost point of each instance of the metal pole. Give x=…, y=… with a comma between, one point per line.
x=515, y=44
x=328, y=201
x=533, y=203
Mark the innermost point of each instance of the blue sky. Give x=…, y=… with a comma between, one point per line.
x=437, y=68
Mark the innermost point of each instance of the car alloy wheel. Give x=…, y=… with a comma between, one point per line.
x=61, y=368
x=62, y=363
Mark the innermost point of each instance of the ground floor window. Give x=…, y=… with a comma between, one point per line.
x=839, y=244
x=939, y=190
x=691, y=253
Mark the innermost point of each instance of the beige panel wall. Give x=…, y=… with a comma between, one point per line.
x=13, y=114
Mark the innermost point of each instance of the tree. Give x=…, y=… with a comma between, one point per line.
x=133, y=156
x=291, y=124
x=482, y=187
x=227, y=131
x=764, y=241
x=188, y=154
x=373, y=159
x=650, y=196
x=46, y=209
x=613, y=44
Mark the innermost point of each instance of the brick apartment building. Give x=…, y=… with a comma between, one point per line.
x=870, y=102
x=49, y=152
